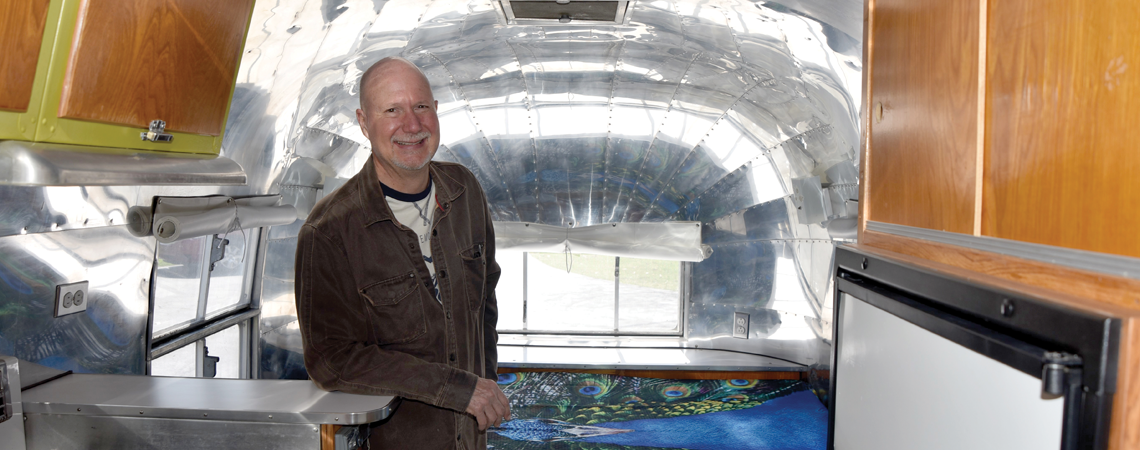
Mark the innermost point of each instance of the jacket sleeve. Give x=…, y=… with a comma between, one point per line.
x=491, y=307
x=335, y=335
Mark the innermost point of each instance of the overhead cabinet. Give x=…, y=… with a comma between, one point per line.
x=1011, y=119
x=108, y=73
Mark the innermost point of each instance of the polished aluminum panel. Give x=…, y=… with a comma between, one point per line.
x=265, y=401
x=281, y=348
x=63, y=432
x=11, y=408
x=45, y=164
x=110, y=336
x=33, y=209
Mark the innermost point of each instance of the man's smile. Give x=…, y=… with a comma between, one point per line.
x=412, y=140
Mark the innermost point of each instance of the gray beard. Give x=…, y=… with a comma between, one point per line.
x=410, y=168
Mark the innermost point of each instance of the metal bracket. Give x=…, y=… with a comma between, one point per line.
x=209, y=363
x=5, y=394
x=217, y=250
x=1057, y=373
x=155, y=134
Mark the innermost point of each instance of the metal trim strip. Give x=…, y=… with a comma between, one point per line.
x=1078, y=259
x=1018, y=354
x=168, y=345
x=43, y=164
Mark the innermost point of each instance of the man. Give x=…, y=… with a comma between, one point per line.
x=396, y=277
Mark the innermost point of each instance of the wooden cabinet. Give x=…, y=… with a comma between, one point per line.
x=23, y=27
x=1062, y=162
x=1010, y=119
x=105, y=70
x=21, y=32
x=923, y=74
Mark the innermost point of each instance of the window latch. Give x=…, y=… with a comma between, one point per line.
x=217, y=250
x=156, y=132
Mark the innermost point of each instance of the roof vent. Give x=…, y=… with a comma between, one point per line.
x=565, y=12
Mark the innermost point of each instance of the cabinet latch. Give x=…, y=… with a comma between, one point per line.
x=155, y=133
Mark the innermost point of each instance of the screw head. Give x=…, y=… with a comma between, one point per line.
x=1007, y=308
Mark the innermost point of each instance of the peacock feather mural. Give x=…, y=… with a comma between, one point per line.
x=556, y=410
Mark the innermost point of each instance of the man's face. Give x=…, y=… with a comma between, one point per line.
x=400, y=119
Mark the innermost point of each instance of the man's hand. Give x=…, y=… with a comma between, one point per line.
x=488, y=404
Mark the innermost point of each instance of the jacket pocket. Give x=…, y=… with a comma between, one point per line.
x=474, y=275
x=396, y=309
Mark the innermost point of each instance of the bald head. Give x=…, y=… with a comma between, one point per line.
x=382, y=69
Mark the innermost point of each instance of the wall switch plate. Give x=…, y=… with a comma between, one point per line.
x=70, y=298
x=740, y=325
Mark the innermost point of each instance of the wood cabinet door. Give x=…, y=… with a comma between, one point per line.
x=134, y=61
x=21, y=33
x=923, y=71
x=1062, y=138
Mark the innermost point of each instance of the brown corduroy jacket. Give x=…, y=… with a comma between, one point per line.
x=369, y=321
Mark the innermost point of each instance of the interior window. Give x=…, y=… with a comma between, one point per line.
x=579, y=293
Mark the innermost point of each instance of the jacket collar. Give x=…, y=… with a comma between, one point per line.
x=374, y=205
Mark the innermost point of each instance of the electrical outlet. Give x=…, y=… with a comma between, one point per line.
x=70, y=298
x=740, y=325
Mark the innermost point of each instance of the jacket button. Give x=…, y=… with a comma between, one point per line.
x=435, y=232
x=443, y=274
x=449, y=314
x=452, y=357
x=458, y=437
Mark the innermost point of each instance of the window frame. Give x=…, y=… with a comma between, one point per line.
x=245, y=315
x=684, y=293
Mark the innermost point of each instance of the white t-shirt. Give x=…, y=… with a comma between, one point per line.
x=416, y=211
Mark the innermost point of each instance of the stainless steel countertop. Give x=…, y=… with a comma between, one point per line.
x=278, y=401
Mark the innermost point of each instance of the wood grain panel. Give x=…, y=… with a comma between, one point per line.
x=1088, y=291
x=1097, y=288
x=21, y=33
x=1063, y=144
x=133, y=61
x=865, y=113
x=328, y=436
x=925, y=74
x=1126, y=409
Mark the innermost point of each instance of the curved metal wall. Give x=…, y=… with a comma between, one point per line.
x=738, y=114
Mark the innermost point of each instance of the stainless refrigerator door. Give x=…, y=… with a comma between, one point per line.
x=900, y=386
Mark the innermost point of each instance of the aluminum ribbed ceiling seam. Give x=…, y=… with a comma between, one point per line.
x=503, y=75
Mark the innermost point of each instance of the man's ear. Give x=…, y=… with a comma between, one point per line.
x=360, y=120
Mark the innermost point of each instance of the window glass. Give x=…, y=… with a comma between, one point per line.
x=177, y=281
x=649, y=295
x=509, y=291
x=178, y=363
x=581, y=299
x=227, y=280
x=226, y=345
